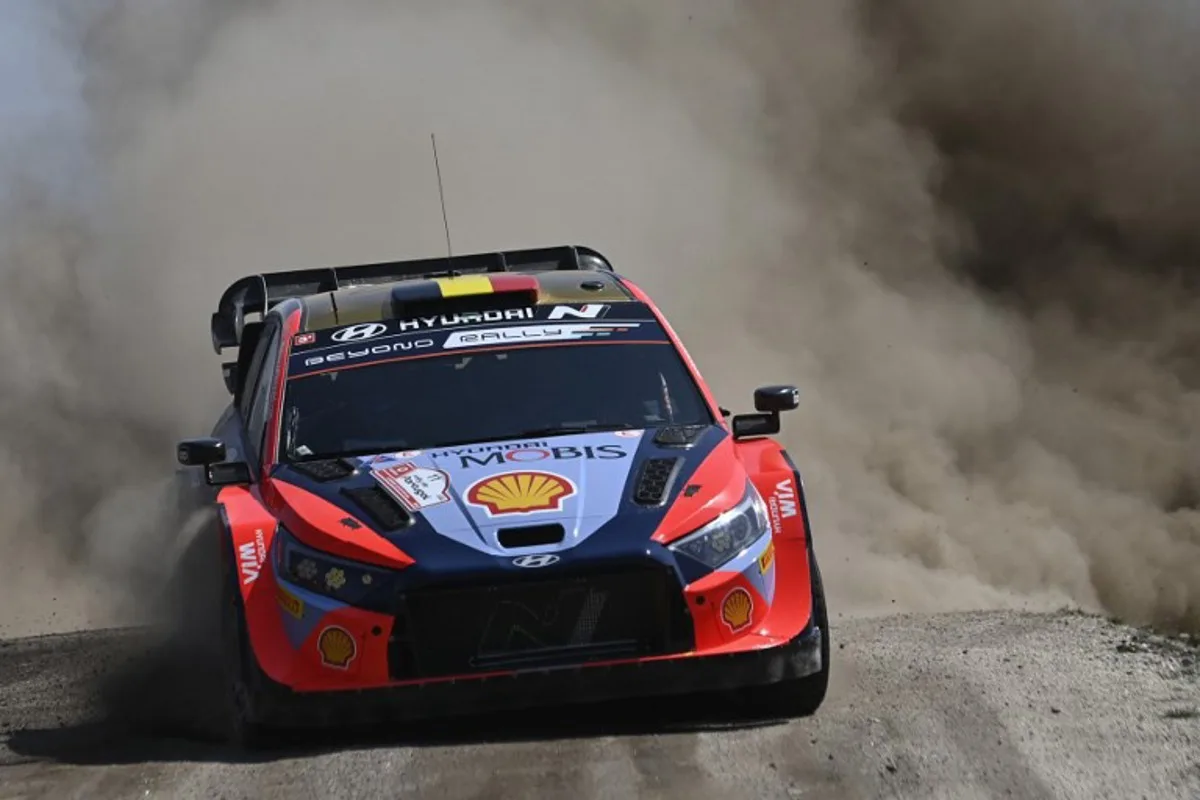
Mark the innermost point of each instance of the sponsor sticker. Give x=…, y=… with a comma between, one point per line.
x=251, y=556
x=531, y=455
x=337, y=647
x=767, y=558
x=782, y=504
x=415, y=487
x=465, y=318
x=520, y=493
x=737, y=609
x=289, y=602
x=302, y=339
x=629, y=434
x=351, y=354
x=517, y=334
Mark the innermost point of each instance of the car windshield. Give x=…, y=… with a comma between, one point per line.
x=425, y=402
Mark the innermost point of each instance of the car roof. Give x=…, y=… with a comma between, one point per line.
x=376, y=302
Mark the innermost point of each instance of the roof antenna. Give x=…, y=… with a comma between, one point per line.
x=442, y=194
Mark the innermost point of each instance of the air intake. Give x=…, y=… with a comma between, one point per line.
x=654, y=481
x=380, y=507
x=324, y=471
x=531, y=536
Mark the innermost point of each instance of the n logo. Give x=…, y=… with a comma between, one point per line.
x=588, y=311
x=570, y=620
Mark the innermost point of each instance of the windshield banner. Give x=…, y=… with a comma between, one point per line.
x=390, y=340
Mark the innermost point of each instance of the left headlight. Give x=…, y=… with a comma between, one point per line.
x=727, y=536
x=348, y=582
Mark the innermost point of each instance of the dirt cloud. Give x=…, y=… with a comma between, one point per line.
x=960, y=228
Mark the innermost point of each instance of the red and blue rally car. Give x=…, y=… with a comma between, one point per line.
x=487, y=482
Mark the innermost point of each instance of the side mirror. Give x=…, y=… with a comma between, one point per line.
x=228, y=473
x=750, y=426
x=776, y=398
x=200, y=452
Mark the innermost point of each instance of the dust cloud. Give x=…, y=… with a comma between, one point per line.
x=960, y=228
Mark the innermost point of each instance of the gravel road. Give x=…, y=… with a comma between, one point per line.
x=980, y=705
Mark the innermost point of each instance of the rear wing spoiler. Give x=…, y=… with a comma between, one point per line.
x=256, y=294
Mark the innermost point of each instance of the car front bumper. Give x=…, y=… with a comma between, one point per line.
x=689, y=673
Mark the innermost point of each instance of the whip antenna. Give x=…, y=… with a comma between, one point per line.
x=442, y=195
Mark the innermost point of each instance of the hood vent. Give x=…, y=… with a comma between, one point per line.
x=655, y=480
x=379, y=505
x=324, y=471
x=532, y=536
x=679, y=435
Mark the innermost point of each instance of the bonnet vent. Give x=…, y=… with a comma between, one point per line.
x=679, y=435
x=323, y=471
x=379, y=505
x=654, y=481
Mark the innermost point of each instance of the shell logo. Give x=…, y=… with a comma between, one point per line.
x=737, y=609
x=337, y=647
x=520, y=492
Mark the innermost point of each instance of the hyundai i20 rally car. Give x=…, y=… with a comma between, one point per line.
x=488, y=482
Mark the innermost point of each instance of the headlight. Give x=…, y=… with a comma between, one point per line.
x=728, y=536
x=345, y=581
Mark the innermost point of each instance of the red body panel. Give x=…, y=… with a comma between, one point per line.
x=319, y=524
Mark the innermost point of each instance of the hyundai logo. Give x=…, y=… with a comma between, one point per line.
x=533, y=562
x=357, y=333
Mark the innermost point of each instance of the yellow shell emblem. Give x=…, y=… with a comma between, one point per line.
x=737, y=609
x=520, y=492
x=337, y=647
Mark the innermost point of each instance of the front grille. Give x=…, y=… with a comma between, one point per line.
x=539, y=623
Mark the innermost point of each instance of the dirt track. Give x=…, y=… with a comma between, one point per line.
x=956, y=706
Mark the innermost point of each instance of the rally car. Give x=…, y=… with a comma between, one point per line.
x=481, y=483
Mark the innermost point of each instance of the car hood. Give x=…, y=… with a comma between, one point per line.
x=614, y=486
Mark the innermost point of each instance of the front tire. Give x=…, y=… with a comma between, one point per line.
x=217, y=669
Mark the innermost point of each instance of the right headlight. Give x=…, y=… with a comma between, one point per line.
x=728, y=536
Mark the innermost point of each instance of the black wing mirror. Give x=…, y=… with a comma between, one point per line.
x=210, y=454
x=751, y=426
x=228, y=473
x=776, y=398
x=200, y=452
x=770, y=401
